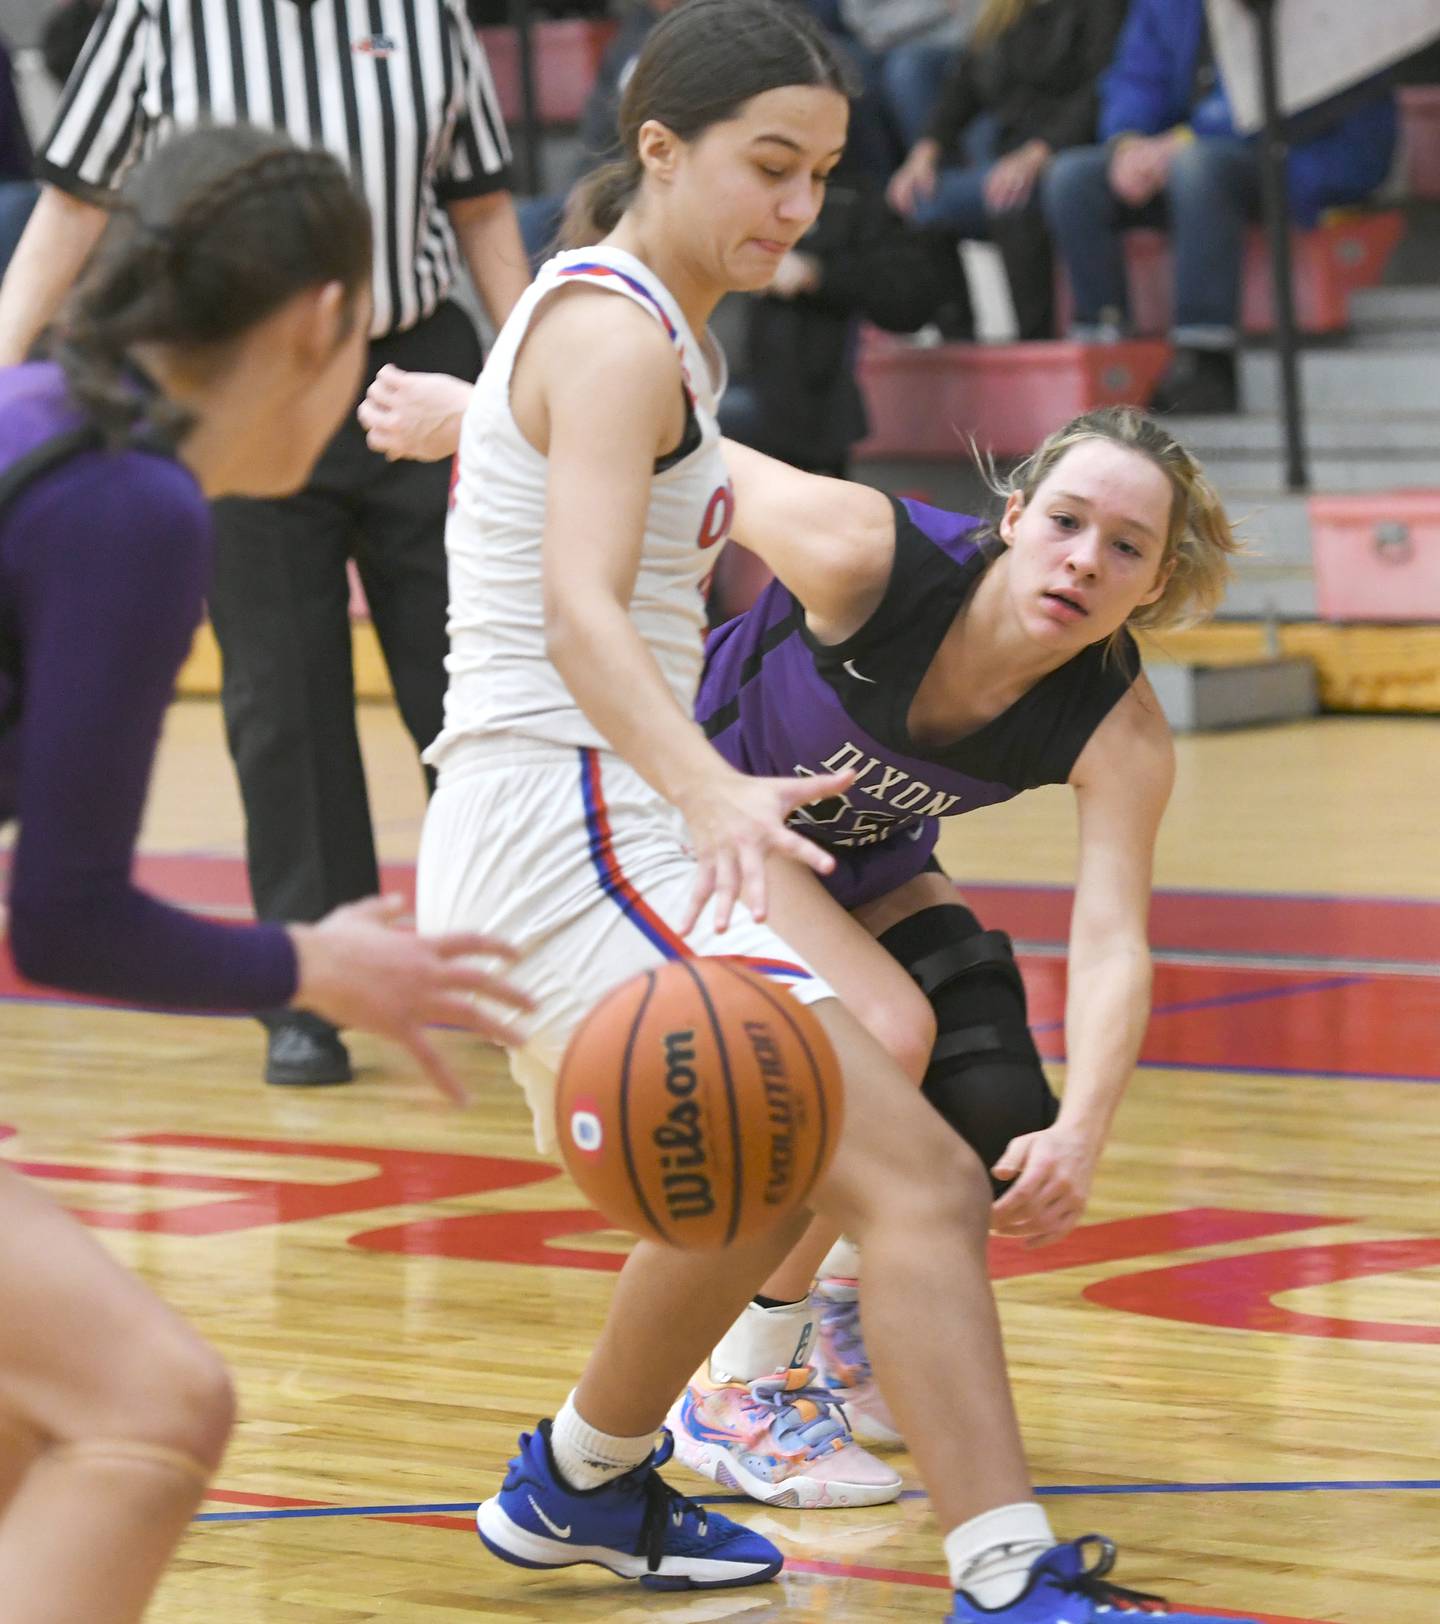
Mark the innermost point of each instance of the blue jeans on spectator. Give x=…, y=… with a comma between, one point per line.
x=910, y=81
x=957, y=205
x=957, y=209
x=1211, y=196
x=17, y=198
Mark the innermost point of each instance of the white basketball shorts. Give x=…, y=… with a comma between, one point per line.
x=569, y=855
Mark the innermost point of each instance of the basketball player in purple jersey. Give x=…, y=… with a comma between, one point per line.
x=568, y=749
x=212, y=347
x=952, y=665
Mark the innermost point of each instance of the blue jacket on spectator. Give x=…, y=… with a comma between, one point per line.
x=1150, y=87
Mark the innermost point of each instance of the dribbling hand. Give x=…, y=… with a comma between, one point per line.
x=736, y=823
x=358, y=968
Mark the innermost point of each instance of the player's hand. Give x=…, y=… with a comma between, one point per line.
x=797, y=273
x=736, y=823
x=1052, y=1172
x=1140, y=166
x=358, y=968
x=1011, y=181
x=914, y=180
x=414, y=414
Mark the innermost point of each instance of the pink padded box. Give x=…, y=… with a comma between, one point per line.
x=1349, y=249
x=1377, y=556
x=924, y=402
x=567, y=58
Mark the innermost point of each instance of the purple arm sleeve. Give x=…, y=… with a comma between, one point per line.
x=110, y=572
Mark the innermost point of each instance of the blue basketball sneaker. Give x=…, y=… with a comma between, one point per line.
x=1063, y=1589
x=635, y=1525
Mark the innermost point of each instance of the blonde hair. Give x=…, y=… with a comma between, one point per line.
x=1200, y=541
x=998, y=17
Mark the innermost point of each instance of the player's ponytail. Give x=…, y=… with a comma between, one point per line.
x=595, y=204
x=699, y=66
x=210, y=236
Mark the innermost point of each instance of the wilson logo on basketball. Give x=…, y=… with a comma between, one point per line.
x=780, y=1106
x=681, y=1136
x=717, y=1101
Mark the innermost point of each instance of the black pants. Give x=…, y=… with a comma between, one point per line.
x=280, y=611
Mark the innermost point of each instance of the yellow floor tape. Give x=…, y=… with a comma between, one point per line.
x=1360, y=668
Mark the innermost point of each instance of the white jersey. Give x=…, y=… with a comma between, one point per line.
x=501, y=679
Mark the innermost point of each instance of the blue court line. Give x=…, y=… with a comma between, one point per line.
x=1075, y=1490
x=1227, y=1000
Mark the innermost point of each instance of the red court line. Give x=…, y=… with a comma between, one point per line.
x=1381, y=928
x=793, y=1564
x=1207, y=1015
x=1257, y=923
x=1271, y=1020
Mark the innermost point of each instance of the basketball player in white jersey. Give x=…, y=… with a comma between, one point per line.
x=581, y=813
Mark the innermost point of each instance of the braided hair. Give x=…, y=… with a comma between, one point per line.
x=213, y=233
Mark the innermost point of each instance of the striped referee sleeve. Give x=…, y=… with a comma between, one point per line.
x=479, y=159
x=100, y=125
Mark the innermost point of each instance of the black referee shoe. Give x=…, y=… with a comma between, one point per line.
x=304, y=1052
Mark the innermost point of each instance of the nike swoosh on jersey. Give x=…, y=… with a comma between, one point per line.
x=849, y=665
x=555, y=1528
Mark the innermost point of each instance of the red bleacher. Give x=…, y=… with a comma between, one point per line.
x=567, y=58
x=926, y=402
x=1348, y=250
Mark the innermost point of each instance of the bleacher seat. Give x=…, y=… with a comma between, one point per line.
x=1420, y=138
x=925, y=402
x=1377, y=555
x=567, y=58
x=1348, y=250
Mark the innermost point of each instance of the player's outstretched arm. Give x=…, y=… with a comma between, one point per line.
x=358, y=968
x=1122, y=783
x=830, y=541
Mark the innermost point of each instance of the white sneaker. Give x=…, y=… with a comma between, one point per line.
x=779, y=1440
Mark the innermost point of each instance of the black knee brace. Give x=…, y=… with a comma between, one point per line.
x=985, y=1076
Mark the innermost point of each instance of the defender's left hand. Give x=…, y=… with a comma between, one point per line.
x=1052, y=1172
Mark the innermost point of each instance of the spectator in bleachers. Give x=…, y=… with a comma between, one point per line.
x=1031, y=68
x=1170, y=155
x=902, y=49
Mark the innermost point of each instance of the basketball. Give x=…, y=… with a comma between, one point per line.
x=697, y=1104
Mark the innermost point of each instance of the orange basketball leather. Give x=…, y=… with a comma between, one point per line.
x=698, y=1104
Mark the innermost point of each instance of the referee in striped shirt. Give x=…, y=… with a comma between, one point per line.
x=400, y=90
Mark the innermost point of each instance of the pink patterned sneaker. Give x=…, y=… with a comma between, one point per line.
x=843, y=1364
x=779, y=1440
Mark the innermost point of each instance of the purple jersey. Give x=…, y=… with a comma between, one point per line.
x=104, y=562
x=774, y=701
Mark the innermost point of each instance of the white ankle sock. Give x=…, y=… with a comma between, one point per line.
x=990, y=1556
x=588, y=1457
x=842, y=1261
x=762, y=1341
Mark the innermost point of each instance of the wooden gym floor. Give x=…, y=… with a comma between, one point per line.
x=1231, y=1368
